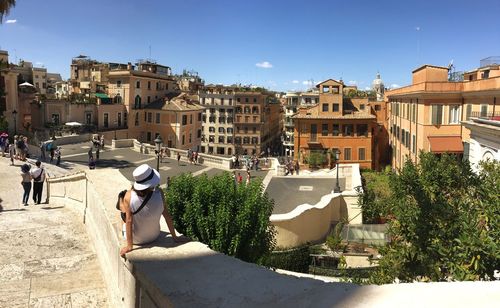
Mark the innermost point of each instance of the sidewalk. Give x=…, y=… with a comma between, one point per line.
x=47, y=260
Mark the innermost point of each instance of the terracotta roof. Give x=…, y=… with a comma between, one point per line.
x=429, y=65
x=182, y=102
x=446, y=144
x=337, y=81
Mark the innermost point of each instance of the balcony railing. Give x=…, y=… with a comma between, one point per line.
x=484, y=115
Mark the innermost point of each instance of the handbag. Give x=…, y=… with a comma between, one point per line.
x=121, y=195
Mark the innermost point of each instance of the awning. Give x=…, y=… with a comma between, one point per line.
x=101, y=95
x=446, y=144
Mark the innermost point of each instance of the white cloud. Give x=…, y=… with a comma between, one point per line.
x=307, y=83
x=353, y=82
x=417, y=28
x=264, y=64
x=394, y=86
x=11, y=21
x=367, y=88
x=295, y=81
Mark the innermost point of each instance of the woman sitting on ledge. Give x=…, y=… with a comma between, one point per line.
x=142, y=207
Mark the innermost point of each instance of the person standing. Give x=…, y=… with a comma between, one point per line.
x=248, y=179
x=297, y=167
x=58, y=156
x=42, y=151
x=102, y=142
x=26, y=183
x=91, y=154
x=52, y=152
x=178, y=158
x=38, y=175
x=12, y=153
x=240, y=178
x=97, y=154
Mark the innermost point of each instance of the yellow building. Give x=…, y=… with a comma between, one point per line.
x=427, y=114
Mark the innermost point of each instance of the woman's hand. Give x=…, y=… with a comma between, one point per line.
x=124, y=250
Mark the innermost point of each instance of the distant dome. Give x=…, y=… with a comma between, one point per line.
x=378, y=87
x=377, y=81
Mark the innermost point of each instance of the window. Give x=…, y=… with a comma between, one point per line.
x=414, y=144
x=336, y=108
x=150, y=117
x=362, y=130
x=246, y=99
x=149, y=99
x=377, y=107
x=408, y=140
x=149, y=85
x=199, y=117
x=326, y=89
x=190, y=119
x=347, y=153
x=137, y=102
x=211, y=129
x=184, y=120
x=324, y=130
x=88, y=118
x=229, y=139
x=468, y=111
x=221, y=130
x=336, y=129
x=484, y=110
x=335, y=89
x=148, y=137
x=414, y=113
x=199, y=134
x=403, y=136
x=362, y=107
x=437, y=114
x=183, y=139
x=106, y=120
x=454, y=116
x=211, y=139
x=190, y=137
x=230, y=101
x=157, y=115
x=136, y=119
x=325, y=107
x=203, y=101
x=138, y=84
x=254, y=100
x=221, y=139
x=229, y=130
x=125, y=118
x=55, y=118
x=361, y=153
x=119, y=119
x=254, y=130
x=348, y=129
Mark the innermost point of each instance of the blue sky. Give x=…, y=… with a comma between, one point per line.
x=225, y=40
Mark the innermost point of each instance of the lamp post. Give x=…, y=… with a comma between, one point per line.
x=14, y=114
x=158, y=142
x=337, y=158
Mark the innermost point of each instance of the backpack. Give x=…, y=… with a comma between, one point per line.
x=121, y=195
x=20, y=144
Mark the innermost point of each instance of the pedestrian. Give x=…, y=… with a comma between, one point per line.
x=20, y=148
x=195, y=158
x=248, y=178
x=26, y=149
x=58, y=156
x=52, y=152
x=233, y=159
x=178, y=158
x=42, y=151
x=240, y=178
x=6, y=147
x=38, y=175
x=168, y=182
x=91, y=163
x=102, y=142
x=297, y=167
x=2, y=145
x=97, y=154
x=91, y=154
x=16, y=154
x=235, y=178
x=12, y=152
x=26, y=182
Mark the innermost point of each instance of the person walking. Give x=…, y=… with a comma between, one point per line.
x=91, y=154
x=26, y=183
x=52, y=152
x=102, y=142
x=178, y=158
x=97, y=154
x=38, y=176
x=12, y=153
x=58, y=156
x=240, y=178
x=297, y=167
x=248, y=179
x=42, y=151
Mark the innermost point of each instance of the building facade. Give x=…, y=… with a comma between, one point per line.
x=484, y=139
x=427, y=115
x=294, y=100
x=348, y=125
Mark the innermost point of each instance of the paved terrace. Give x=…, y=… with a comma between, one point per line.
x=46, y=257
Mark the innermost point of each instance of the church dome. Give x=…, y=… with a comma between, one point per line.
x=377, y=82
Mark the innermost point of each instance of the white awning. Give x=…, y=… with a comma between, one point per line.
x=73, y=124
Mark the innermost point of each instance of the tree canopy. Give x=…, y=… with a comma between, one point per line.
x=445, y=222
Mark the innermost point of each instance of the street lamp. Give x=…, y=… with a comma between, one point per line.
x=337, y=158
x=158, y=142
x=14, y=114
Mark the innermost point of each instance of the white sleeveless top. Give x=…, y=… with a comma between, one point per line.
x=146, y=223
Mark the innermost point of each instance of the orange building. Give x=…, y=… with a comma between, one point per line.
x=427, y=115
x=177, y=120
x=337, y=122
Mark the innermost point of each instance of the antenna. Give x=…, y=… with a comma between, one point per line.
x=418, y=44
x=150, y=51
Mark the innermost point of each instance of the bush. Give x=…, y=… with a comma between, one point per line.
x=316, y=159
x=296, y=260
x=374, y=200
x=334, y=240
x=229, y=218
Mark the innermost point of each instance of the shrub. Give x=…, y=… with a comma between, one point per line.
x=229, y=218
x=296, y=259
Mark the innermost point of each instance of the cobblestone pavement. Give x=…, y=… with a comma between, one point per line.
x=46, y=258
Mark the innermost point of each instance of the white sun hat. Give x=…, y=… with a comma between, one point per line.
x=145, y=177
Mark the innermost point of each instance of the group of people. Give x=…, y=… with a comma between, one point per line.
x=250, y=163
x=291, y=167
x=18, y=149
x=192, y=157
x=238, y=178
x=37, y=175
x=53, y=151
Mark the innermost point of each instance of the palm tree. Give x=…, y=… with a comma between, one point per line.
x=5, y=6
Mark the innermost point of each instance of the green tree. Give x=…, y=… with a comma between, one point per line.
x=5, y=6
x=445, y=222
x=230, y=218
x=316, y=159
x=376, y=192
